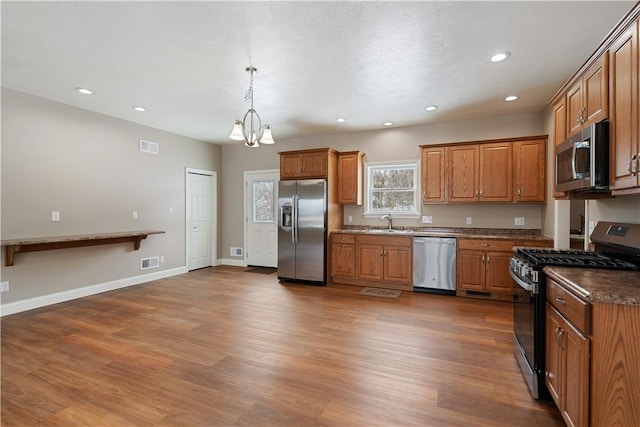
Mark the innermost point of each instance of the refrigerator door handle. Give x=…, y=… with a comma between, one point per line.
x=294, y=230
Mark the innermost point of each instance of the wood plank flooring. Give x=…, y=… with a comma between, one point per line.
x=224, y=347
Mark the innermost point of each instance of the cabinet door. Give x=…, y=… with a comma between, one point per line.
x=497, y=277
x=369, y=262
x=462, y=173
x=575, y=409
x=575, y=112
x=433, y=173
x=530, y=159
x=471, y=271
x=623, y=106
x=343, y=260
x=559, y=136
x=350, y=178
x=314, y=165
x=290, y=166
x=398, y=264
x=553, y=358
x=596, y=91
x=496, y=172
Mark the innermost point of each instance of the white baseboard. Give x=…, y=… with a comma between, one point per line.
x=234, y=262
x=58, y=297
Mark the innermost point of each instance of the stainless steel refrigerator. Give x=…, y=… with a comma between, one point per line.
x=302, y=230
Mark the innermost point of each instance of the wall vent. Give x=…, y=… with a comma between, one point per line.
x=236, y=251
x=151, y=262
x=149, y=147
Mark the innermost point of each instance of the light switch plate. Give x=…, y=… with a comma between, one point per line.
x=519, y=220
x=427, y=219
x=134, y=215
x=4, y=287
x=55, y=216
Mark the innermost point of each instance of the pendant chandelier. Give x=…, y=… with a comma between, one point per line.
x=250, y=129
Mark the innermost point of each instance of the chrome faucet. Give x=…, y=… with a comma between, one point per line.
x=388, y=218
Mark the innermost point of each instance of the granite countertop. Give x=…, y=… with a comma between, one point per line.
x=599, y=285
x=469, y=233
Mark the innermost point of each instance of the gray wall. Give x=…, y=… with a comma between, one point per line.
x=384, y=145
x=88, y=167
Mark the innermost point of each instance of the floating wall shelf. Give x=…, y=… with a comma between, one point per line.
x=33, y=244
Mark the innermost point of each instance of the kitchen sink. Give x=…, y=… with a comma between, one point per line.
x=386, y=231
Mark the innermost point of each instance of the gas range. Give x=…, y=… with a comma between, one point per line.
x=617, y=247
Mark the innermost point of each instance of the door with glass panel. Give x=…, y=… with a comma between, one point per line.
x=260, y=218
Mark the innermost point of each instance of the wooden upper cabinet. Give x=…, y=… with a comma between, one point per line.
x=495, y=173
x=462, y=173
x=304, y=164
x=529, y=172
x=588, y=98
x=624, y=145
x=433, y=175
x=559, y=135
x=350, y=177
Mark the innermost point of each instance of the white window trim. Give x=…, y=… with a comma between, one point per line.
x=418, y=200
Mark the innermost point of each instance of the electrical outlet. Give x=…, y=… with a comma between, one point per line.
x=170, y=210
x=161, y=259
x=427, y=219
x=4, y=286
x=519, y=220
x=469, y=220
x=350, y=218
x=592, y=225
x=55, y=216
x=134, y=215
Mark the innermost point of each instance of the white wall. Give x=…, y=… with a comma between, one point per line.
x=88, y=167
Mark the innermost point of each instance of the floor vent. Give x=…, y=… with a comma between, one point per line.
x=151, y=262
x=236, y=251
x=149, y=147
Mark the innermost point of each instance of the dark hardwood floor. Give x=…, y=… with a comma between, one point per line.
x=220, y=346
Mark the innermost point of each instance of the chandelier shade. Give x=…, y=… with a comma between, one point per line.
x=250, y=129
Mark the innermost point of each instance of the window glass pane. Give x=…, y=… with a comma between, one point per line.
x=393, y=178
x=263, y=201
x=393, y=188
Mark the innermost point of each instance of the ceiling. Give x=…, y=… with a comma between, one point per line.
x=366, y=62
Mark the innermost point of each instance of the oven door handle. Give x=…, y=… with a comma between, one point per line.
x=521, y=282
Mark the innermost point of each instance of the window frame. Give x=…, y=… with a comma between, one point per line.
x=411, y=164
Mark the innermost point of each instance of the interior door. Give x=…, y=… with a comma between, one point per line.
x=261, y=219
x=199, y=234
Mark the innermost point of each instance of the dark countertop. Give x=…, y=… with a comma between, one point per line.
x=599, y=285
x=467, y=233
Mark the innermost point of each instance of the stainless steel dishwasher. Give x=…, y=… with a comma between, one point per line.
x=434, y=264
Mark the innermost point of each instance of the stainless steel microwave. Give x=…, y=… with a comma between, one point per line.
x=582, y=161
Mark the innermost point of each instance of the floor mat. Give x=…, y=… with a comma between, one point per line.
x=261, y=270
x=378, y=292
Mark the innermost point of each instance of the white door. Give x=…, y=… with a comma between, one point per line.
x=199, y=220
x=261, y=200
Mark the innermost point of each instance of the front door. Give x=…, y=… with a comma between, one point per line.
x=261, y=193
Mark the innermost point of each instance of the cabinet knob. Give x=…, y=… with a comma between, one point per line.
x=484, y=245
x=561, y=301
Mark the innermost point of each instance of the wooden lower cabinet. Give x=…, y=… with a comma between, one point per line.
x=483, y=267
x=380, y=261
x=567, y=368
x=343, y=255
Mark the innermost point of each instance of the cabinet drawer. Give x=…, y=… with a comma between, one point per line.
x=486, y=245
x=343, y=238
x=535, y=243
x=570, y=306
x=368, y=239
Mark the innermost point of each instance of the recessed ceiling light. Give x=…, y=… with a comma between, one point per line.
x=84, y=91
x=499, y=57
x=138, y=108
x=511, y=98
x=340, y=120
x=431, y=108
x=387, y=124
